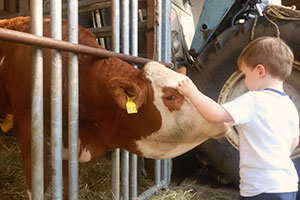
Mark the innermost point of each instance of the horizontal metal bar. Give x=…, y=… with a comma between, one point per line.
x=95, y=6
x=29, y=39
x=83, y=6
x=89, y=5
x=105, y=31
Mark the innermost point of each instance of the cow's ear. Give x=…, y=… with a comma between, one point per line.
x=182, y=70
x=121, y=88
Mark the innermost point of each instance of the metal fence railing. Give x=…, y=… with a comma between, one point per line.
x=129, y=37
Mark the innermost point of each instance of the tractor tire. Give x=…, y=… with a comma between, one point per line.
x=216, y=74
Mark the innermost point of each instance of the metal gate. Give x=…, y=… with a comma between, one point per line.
x=127, y=28
x=128, y=12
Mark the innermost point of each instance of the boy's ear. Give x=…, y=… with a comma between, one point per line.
x=261, y=70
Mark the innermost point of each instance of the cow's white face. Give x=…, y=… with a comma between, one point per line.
x=182, y=127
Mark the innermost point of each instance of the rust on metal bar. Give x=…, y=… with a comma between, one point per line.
x=45, y=42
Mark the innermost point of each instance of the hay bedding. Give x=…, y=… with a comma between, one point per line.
x=94, y=180
x=12, y=177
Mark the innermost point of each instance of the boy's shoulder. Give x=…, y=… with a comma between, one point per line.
x=275, y=99
x=275, y=102
x=253, y=95
x=268, y=94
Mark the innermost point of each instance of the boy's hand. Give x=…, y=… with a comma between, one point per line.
x=187, y=87
x=206, y=106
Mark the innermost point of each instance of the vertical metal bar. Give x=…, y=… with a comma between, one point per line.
x=166, y=31
x=125, y=50
x=134, y=27
x=159, y=29
x=169, y=172
x=115, y=25
x=125, y=26
x=134, y=52
x=37, y=122
x=133, y=176
x=56, y=101
x=166, y=57
x=157, y=171
x=125, y=174
x=165, y=172
x=157, y=175
x=115, y=174
x=73, y=101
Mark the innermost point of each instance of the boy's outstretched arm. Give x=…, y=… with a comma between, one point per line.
x=207, y=107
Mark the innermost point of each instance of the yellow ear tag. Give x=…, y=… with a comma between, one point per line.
x=131, y=106
x=7, y=123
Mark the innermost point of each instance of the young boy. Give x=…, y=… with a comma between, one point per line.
x=265, y=117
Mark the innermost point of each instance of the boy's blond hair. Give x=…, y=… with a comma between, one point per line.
x=273, y=53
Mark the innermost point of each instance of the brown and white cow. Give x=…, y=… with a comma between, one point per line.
x=165, y=126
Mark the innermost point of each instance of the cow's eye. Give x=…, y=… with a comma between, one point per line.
x=172, y=97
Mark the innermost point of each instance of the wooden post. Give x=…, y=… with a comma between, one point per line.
x=150, y=28
x=24, y=7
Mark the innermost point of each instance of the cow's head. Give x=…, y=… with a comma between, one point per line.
x=181, y=127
